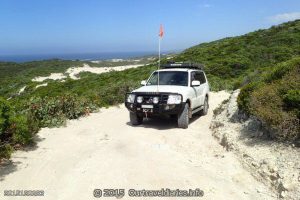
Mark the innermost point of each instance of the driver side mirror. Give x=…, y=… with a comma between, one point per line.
x=143, y=82
x=195, y=83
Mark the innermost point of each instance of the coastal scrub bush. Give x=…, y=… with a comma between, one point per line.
x=292, y=99
x=266, y=103
x=275, y=100
x=14, y=129
x=5, y=119
x=243, y=99
x=54, y=111
x=5, y=150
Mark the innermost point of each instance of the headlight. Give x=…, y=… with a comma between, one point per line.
x=155, y=100
x=130, y=98
x=174, y=99
x=139, y=99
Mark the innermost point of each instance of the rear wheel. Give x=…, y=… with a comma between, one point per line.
x=135, y=119
x=204, y=111
x=183, y=117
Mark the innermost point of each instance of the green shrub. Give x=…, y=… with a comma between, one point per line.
x=292, y=99
x=5, y=114
x=5, y=150
x=20, y=129
x=266, y=103
x=243, y=99
x=54, y=111
x=275, y=100
x=14, y=129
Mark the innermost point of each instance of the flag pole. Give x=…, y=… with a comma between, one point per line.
x=159, y=39
x=160, y=35
x=158, y=67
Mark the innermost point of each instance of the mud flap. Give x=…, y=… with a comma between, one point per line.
x=190, y=113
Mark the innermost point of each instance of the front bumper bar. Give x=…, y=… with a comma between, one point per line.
x=161, y=108
x=158, y=109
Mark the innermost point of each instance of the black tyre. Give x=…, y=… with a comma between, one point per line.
x=135, y=119
x=204, y=111
x=173, y=116
x=183, y=117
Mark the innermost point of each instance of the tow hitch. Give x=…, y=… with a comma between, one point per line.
x=146, y=112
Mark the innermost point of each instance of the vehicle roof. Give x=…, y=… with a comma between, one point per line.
x=178, y=69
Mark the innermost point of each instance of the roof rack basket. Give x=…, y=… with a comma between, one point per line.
x=188, y=65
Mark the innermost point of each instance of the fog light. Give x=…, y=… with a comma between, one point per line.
x=130, y=98
x=139, y=99
x=155, y=100
x=174, y=99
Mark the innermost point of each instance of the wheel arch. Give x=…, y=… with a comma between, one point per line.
x=188, y=101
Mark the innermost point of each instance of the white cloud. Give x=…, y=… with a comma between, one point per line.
x=284, y=17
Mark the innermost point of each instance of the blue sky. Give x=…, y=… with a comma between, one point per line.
x=74, y=26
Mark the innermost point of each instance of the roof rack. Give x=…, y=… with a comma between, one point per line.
x=188, y=65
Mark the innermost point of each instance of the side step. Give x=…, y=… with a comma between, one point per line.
x=197, y=109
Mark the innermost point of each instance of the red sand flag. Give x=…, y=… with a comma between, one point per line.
x=161, y=31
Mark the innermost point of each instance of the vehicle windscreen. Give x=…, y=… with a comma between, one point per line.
x=169, y=78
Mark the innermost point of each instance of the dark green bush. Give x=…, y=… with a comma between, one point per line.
x=20, y=129
x=267, y=104
x=292, y=99
x=5, y=150
x=275, y=100
x=54, y=111
x=282, y=69
x=245, y=95
x=5, y=119
x=14, y=129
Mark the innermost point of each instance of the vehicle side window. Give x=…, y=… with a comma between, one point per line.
x=193, y=77
x=200, y=77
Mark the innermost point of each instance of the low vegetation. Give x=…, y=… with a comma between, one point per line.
x=15, y=128
x=265, y=64
x=14, y=76
x=22, y=116
x=275, y=100
x=231, y=63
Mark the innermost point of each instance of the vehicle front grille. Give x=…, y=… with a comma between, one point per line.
x=164, y=98
x=148, y=99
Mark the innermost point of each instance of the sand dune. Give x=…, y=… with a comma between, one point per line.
x=74, y=71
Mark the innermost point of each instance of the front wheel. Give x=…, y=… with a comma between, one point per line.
x=135, y=119
x=183, y=117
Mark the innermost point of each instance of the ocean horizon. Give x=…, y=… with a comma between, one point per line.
x=75, y=56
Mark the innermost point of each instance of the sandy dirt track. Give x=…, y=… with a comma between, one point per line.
x=104, y=151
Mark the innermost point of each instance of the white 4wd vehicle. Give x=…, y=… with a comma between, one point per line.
x=178, y=90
